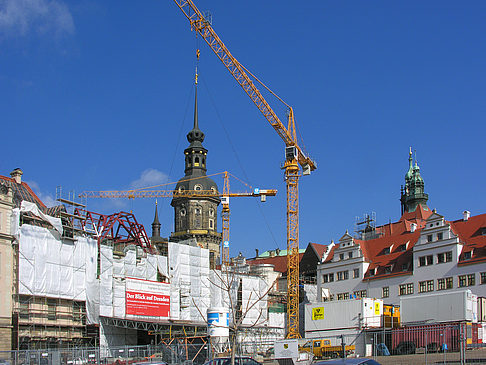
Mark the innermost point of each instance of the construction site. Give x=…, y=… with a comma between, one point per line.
x=80, y=287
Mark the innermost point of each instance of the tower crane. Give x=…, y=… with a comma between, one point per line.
x=295, y=158
x=225, y=195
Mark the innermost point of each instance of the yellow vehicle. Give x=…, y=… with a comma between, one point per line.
x=322, y=348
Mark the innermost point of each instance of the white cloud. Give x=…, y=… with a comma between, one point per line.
x=149, y=177
x=46, y=198
x=19, y=17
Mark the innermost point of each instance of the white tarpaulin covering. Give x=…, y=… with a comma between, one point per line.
x=114, y=271
x=253, y=302
x=26, y=206
x=189, y=278
x=49, y=266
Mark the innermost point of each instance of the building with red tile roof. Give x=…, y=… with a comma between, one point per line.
x=422, y=252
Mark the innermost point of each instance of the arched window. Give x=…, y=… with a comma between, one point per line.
x=196, y=161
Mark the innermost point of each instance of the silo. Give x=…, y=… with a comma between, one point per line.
x=218, y=329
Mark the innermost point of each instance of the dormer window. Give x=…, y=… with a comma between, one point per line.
x=386, y=251
x=372, y=272
x=388, y=269
x=467, y=255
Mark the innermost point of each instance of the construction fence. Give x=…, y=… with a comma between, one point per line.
x=186, y=351
x=428, y=344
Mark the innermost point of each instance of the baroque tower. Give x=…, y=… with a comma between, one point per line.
x=413, y=193
x=196, y=217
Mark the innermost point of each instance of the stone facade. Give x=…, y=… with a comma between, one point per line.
x=6, y=268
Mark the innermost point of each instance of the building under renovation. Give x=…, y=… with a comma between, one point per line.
x=78, y=278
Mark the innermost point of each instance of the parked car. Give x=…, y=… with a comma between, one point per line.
x=348, y=361
x=239, y=360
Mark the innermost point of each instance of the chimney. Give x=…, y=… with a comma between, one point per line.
x=17, y=175
x=272, y=253
x=413, y=227
x=277, y=251
x=466, y=214
x=256, y=252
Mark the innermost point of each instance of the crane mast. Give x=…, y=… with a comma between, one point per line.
x=295, y=158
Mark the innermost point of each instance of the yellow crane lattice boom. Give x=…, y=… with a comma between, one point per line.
x=294, y=154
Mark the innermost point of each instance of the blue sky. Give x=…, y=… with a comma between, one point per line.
x=98, y=95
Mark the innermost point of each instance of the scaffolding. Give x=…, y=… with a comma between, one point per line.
x=50, y=321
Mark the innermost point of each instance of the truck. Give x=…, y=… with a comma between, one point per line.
x=322, y=348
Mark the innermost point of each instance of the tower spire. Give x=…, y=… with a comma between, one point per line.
x=156, y=223
x=413, y=193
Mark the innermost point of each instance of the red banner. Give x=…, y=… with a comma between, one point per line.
x=146, y=298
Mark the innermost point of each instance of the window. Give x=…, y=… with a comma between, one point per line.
x=483, y=278
x=404, y=267
x=429, y=238
x=467, y=280
x=211, y=212
x=441, y=258
x=467, y=255
x=444, y=283
x=343, y=296
x=426, y=286
x=402, y=247
x=183, y=212
x=359, y=294
x=341, y=256
x=372, y=272
x=342, y=275
x=388, y=269
x=197, y=211
x=405, y=289
x=385, y=291
x=440, y=235
x=350, y=255
x=422, y=287
x=462, y=281
x=449, y=256
x=51, y=309
x=356, y=273
x=386, y=251
x=325, y=278
x=331, y=277
x=211, y=224
x=198, y=187
x=426, y=260
x=196, y=161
